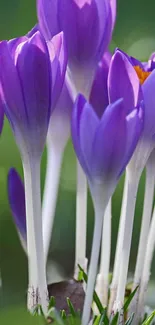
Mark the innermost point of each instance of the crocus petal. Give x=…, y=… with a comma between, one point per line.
x=78, y=109
x=109, y=143
x=13, y=43
x=16, y=196
x=58, y=57
x=33, y=31
x=131, y=59
x=135, y=125
x=90, y=31
x=123, y=81
x=99, y=92
x=87, y=128
x=149, y=101
x=48, y=18
x=11, y=87
x=33, y=66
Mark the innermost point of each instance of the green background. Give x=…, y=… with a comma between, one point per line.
x=135, y=33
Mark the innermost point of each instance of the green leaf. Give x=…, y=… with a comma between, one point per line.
x=97, y=320
x=54, y=315
x=127, y=303
x=80, y=276
x=71, y=308
x=114, y=319
x=63, y=314
x=104, y=319
x=129, y=320
x=52, y=302
x=38, y=311
x=149, y=319
x=95, y=296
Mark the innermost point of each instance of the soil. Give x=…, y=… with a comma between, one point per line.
x=71, y=289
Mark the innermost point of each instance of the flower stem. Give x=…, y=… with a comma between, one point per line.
x=103, y=276
x=99, y=213
x=146, y=219
x=133, y=181
x=114, y=284
x=81, y=221
x=146, y=268
x=37, y=290
x=54, y=162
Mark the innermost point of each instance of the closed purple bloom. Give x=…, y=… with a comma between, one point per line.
x=105, y=139
x=87, y=26
x=102, y=145
x=16, y=197
x=32, y=80
x=25, y=76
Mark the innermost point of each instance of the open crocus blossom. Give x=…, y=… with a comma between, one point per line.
x=26, y=79
x=104, y=147
x=87, y=34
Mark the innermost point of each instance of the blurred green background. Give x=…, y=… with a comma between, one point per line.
x=134, y=33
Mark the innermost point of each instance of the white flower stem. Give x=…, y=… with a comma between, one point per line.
x=99, y=213
x=81, y=221
x=146, y=219
x=146, y=268
x=114, y=284
x=54, y=162
x=103, y=276
x=37, y=291
x=133, y=181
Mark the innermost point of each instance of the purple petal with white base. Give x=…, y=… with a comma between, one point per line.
x=109, y=143
x=89, y=30
x=102, y=145
x=58, y=57
x=26, y=80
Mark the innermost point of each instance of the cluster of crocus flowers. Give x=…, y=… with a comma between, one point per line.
x=59, y=81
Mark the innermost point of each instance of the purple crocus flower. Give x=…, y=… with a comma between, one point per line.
x=26, y=81
x=145, y=75
x=27, y=71
x=105, y=142
x=26, y=75
x=16, y=195
x=87, y=27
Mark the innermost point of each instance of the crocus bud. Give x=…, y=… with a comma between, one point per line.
x=87, y=34
x=105, y=145
x=26, y=78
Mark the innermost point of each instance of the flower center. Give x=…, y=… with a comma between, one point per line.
x=142, y=75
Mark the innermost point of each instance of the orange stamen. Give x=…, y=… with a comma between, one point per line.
x=142, y=75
